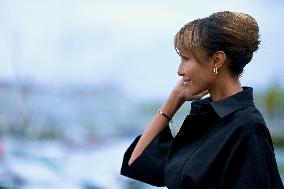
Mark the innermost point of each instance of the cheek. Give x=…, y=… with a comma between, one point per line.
x=191, y=70
x=202, y=80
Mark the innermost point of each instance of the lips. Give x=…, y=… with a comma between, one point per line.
x=186, y=80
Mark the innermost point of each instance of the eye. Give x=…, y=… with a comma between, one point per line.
x=185, y=57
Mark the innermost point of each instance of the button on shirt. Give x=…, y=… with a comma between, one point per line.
x=223, y=144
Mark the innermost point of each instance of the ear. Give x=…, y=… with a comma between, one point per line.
x=218, y=59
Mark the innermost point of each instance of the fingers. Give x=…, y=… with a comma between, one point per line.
x=203, y=93
x=200, y=95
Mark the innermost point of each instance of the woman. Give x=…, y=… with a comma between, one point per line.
x=223, y=143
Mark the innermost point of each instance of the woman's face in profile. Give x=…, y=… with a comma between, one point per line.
x=196, y=76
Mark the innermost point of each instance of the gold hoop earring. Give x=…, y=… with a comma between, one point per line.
x=215, y=70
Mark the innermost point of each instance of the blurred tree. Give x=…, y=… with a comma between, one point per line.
x=274, y=100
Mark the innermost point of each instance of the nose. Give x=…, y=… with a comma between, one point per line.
x=180, y=71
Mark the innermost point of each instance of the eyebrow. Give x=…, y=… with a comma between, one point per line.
x=183, y=56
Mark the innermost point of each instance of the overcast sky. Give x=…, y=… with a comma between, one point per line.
x=126, y=43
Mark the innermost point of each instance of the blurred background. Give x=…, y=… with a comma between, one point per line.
x=79, y=79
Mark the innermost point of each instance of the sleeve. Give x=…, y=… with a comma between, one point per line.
x=149, y=166
x=251, y=164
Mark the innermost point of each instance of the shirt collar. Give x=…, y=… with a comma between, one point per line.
x=225, y=106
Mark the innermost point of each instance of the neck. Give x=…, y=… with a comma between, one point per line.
x=228, y=87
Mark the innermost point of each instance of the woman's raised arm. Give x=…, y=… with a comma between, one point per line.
x=178, y=96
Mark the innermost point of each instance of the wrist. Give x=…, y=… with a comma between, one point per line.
x=172, y=104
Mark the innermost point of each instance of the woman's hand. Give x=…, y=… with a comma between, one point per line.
x=184, y=93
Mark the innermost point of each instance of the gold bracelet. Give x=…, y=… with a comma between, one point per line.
x=165, y=115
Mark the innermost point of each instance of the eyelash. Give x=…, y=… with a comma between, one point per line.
x=185, y=58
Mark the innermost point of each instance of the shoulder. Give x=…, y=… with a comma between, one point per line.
x=248, y=122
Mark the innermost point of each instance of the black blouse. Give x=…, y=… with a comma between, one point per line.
x=223, y=144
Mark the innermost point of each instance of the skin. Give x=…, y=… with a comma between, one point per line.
x=197, y=79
